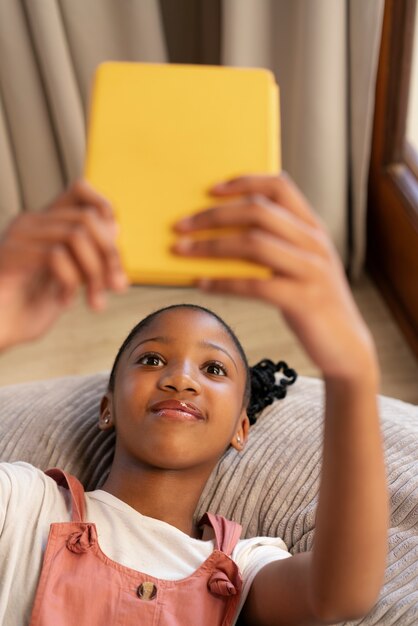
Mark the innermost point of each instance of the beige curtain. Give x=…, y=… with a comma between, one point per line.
x=48, y=52
x=324, y=54
x=366, y=20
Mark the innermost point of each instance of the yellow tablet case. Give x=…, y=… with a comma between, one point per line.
x=159, y=137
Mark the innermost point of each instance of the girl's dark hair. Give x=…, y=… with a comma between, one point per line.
x=261, y=387
x=264, y=387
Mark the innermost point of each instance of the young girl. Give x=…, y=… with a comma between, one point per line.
x=132, y=552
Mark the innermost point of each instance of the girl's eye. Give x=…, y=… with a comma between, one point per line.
x=216, y=368
x=152, y=360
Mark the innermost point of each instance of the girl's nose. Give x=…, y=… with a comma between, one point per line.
x=180, y=379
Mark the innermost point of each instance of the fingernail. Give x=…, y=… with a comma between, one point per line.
x=183, y=245
x=119, y=281
x=99, y=301
x=204, y=283
x=115, y=228
x=67, y=299
x=184, y=223
x=221, y=186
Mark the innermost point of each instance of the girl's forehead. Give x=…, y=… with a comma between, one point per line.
x=186, y=325
x=183, y=321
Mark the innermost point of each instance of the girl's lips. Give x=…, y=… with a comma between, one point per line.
x=178, y=409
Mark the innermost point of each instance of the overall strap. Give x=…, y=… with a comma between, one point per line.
x=227, y=533
x=76, y=490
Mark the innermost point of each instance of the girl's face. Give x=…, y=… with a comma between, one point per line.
x=178, y=396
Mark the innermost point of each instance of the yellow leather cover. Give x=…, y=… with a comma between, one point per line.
x=159, y=137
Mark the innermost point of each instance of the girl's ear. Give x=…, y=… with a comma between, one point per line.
x=241, y=433
x=106, y=420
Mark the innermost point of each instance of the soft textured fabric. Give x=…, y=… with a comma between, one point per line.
x=270, y=488
x=30, y=501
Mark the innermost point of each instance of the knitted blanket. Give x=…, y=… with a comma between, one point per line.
x=271, y=488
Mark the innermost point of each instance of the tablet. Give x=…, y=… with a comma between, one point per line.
x=159, y=137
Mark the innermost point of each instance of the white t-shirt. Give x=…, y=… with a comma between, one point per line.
x=30, y=501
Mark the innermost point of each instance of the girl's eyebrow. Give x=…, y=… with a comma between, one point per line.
x=160, y=339
x=209, y=344
x=203, y=344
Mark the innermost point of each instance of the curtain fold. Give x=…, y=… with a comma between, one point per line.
x=103, y=30
x=365, y=26
x=324, y=55
x=59, y=82
x=48, y=52
x=36, y=172
x=192, y=30
x=10, y=199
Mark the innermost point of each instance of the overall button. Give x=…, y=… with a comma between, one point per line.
x=147, y=590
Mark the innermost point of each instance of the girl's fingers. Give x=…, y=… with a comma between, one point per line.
x=278, y=291
x=81, y=193
x=71, y=243
x=280, y=189
x=65, y=272
x=236, y=286
x=55, y=266
x=68, y=277
x=90, y=266
x=101, y=237
x=252, y=245
x=255, y=211
x=67, y=226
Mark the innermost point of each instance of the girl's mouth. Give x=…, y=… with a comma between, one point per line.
x=178, y=409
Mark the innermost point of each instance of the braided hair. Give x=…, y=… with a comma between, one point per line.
x=264, y=387
x=261, y=387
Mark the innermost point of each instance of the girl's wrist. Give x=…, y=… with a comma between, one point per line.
x=7, y=339
x=9, y=331
x=360, y=372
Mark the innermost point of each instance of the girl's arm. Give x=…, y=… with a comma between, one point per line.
x=340, y=579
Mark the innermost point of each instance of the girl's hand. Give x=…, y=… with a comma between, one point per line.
x=45, y=256
x=278, y=229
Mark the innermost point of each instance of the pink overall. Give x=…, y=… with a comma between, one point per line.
x=81, y=586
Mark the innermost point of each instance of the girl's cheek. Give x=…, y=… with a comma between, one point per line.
x=131, y=382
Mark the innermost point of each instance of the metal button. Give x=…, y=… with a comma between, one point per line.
x=147, y=590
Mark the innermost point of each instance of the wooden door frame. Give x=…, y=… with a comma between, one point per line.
x=392, y=220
